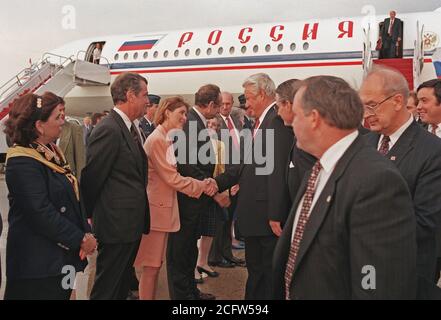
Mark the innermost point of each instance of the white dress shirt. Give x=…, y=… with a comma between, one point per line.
x=204, y=120
x=397, y=134
x=262, y=116
x=437, y=131
x=236, y=132
x=328, y=161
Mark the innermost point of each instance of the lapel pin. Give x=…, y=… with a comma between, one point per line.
x=328, y=199
x=393, y=158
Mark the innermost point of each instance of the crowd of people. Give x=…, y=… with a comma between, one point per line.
x=326, y=208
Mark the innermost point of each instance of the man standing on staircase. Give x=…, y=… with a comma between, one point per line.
x=391, y=36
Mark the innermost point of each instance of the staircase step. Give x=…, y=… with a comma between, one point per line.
x=404, y=66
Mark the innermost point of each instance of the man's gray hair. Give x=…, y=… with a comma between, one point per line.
x=392, y=81
x=261, y=81
x=333, y=98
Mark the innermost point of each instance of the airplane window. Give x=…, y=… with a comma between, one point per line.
x=135, y=56
x=306, y=46
x=116, y=57
x=256, y=48
x=126, y=56
x=293, y=46
x=155, y=54
x=243, y=49
x=231, y=50
x=165, y=53
x=187, y=52
x=146, y=54
x=198, y=52
x=209, y=51
x=176, y=53
x=267, y=48
x=220, y=50
x=280, y=47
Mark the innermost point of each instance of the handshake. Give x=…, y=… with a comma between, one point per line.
x=88, y=245
x=211, y=187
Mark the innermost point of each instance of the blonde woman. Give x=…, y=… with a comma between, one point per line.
x=163, y=183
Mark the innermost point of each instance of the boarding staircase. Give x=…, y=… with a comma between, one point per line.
x=410, y=67
x=53, y=73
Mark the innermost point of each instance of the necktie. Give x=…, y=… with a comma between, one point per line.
x=301, y=224
x=434, y=128
x=256, y=126
x=136, y=138
x=384, y=146
x=232, y=132
x=390, y=27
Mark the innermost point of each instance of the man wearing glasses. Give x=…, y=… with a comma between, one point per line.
x=416, y=153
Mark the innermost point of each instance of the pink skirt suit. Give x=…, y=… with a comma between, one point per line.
x=163, y=183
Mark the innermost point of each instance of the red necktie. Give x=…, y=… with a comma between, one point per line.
x=384, y=146
x=391, y=24
x=256, y=126
x=232, y=132
x=434, y=128
x=301, y=224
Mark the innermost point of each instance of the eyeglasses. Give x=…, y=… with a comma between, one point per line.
x=371, y=108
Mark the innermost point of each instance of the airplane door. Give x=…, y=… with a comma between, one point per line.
x=91, y=49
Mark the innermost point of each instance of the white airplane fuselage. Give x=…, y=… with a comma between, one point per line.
x=179, y=62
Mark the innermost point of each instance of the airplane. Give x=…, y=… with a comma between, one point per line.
x=179, y=62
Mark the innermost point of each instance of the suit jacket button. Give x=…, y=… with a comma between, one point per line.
x=63, y=209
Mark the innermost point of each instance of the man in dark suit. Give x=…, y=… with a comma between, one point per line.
x=248, y=122
x=415, y=152
x=429, y=109
x=87, y=129
x=182, y=250
x=261, y=213
x=114, y=187
x=146, y=122
x=221, y=250
x=351, y=230
x=391, y=36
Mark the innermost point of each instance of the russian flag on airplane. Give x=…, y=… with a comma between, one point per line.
x=138, y=45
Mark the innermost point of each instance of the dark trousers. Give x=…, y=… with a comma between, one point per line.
x=259, y=256
x=389, y=49
x=182, y=256
x=114, y=268
x=37, y=289
x=221, y=247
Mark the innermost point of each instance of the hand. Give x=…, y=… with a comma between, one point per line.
x=210, y=187
x=234, y=190
x=88, y=245
x=222, y=199
x=275, y=226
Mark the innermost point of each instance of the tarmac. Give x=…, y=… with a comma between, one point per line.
x=230, y=285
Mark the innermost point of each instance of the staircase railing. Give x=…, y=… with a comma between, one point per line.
x=418, y=55
x=367, y=50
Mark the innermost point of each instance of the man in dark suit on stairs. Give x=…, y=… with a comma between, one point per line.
x=391, y=36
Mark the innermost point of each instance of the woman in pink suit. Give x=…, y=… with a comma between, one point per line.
x=163, y=183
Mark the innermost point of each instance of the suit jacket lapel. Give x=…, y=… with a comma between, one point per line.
x=128, y=137
x=324, y=201
x=404, y=144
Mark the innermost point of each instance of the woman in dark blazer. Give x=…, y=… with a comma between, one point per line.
x=48, y=235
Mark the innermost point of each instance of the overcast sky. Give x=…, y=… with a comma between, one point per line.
x=28, y=28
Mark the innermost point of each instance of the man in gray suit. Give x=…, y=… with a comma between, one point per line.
x=71, y=142
x=351, y=230
x=113, y=187
x=416, y=153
